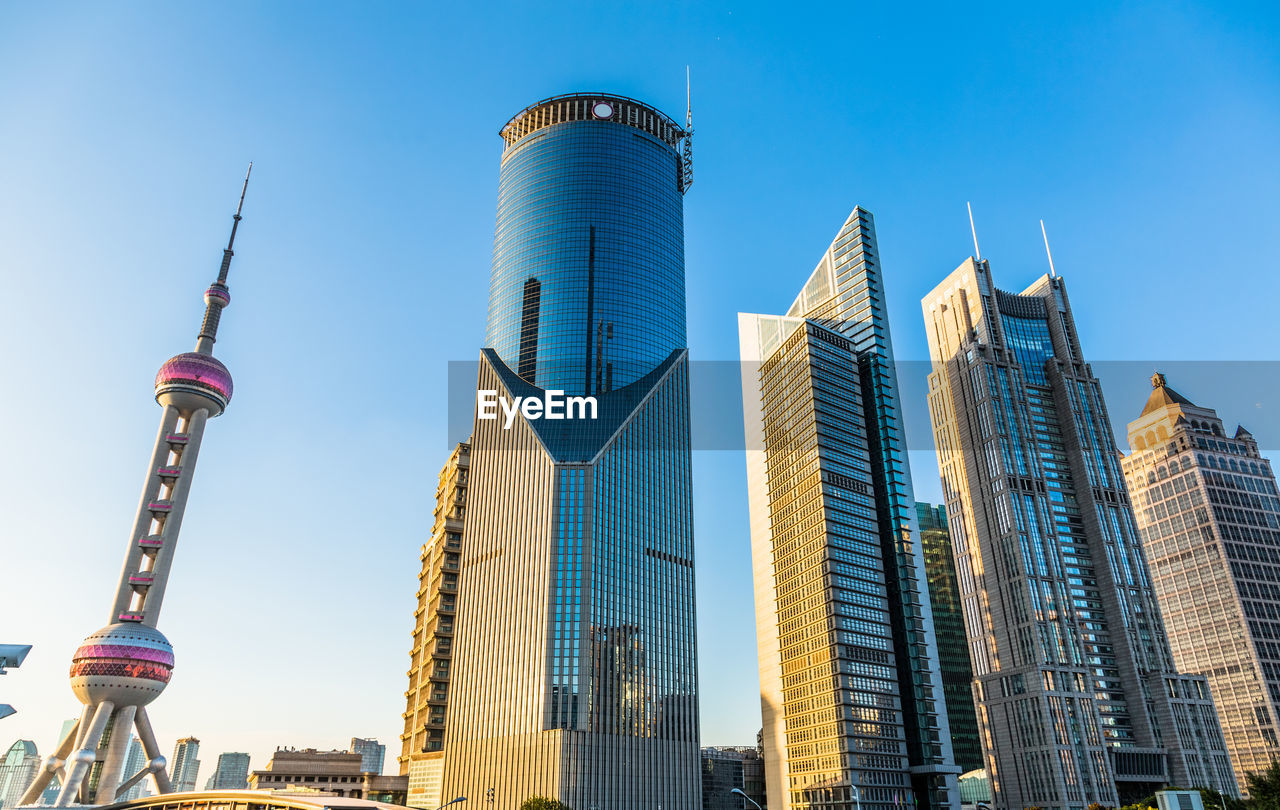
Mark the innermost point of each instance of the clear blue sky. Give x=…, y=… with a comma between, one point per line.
x=1145, y=136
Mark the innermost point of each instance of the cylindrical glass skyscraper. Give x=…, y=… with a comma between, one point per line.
x=587, y=290
x=574, y=664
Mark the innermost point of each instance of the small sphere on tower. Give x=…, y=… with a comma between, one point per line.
x=126, y=663
x=219, y=293
x=192, y=380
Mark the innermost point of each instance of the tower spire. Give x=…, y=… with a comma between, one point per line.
x=218, y=296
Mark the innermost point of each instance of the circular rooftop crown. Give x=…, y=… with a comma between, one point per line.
x=195, y=373
x=592, y=107
x=218, y=292
x=128, y=664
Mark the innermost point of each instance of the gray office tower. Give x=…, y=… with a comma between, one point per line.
x=1077, y=694
x=575, y=661
x=850, y=687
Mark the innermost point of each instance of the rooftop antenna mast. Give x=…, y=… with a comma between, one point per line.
x=977, y=254
x=687, y=176
x=1052, y=273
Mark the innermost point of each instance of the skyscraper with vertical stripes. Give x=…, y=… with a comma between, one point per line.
x=1077, y=695
x=575, y=660
x=851, y=691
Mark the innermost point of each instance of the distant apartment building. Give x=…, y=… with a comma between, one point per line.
x=17, y=769
x=422, y=742
x=134, y=761
x=948, y=625
x=1077, y=694
x=1208, y=509
x=185, y=764
x=232, y=772
x=372, y=751
x=851, y=691
x=725, y=769
x=340, y=773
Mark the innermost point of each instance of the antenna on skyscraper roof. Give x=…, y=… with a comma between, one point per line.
x=1052, y=273
x=977, y=254
x=688, y=101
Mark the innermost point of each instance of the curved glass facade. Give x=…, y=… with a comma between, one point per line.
x=587, y=291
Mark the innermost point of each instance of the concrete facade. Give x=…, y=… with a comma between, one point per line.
x=430, y=658
x=338, y=773
x=1077, y=694
x=1206, y=504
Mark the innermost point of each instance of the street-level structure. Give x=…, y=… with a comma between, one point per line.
x=851, y=691
x=121, y=668
x=1077, y=694
x=1209, y=512
x=575, y=659
x=427, y=698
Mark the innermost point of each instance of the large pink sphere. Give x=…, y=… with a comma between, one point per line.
x=127, y=663
x=192, y=375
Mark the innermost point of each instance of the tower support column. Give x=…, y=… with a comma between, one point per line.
x=83, y=759
x=117, y=750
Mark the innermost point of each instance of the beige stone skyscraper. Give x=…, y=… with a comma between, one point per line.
x=1207, y=506
x=1077, y=694
x=422, y=742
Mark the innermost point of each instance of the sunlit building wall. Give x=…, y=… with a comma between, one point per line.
x=575, y=662
x=1207, y=506
x=851, y=692
x=185, y=764
x=422, y=742
x=1078, y=698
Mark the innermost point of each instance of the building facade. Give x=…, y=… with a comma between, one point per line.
x=134, y=763
x=725, y=769
x=339, y=773
x=948, y=625
x=186, y=764
x=851, y=692
x=1077, y=695
x=232, y=772
x=422, y=742
x=575, y=662
x=373, y=752
x=118, y=670
x=1208, y=510
x=17, y=769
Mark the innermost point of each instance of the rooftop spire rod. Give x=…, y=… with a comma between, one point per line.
x=977, y=254
x=1047, y=252
x=688, y=101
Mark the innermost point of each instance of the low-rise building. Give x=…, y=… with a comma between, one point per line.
x=340, y=773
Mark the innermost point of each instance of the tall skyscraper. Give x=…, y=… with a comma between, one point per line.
x=232, y=772
x=134, y=761
x=1077, y=695
x=186, y=764
x=121, y=668
x=371, y=754
x=1206, y=504
x=851, y=692
x=17, y=769
x=575, y=667
x=422, y=742
x=948, y=625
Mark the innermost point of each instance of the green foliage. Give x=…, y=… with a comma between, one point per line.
x=1264, y=788
x=1098, y=806
x=543, y=803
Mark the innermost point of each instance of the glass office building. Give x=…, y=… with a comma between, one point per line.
x=948, y=624
x=575, y=659
x=1077, y=695
x=851, y=692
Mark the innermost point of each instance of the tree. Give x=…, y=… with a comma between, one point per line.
x=543, y=803
x=1264, y=788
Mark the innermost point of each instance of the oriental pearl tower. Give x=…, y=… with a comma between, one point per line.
x=124, y=666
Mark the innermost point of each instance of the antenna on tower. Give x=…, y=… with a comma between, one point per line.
x=1052, y=273
x=686, y=176
x=977, y=254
